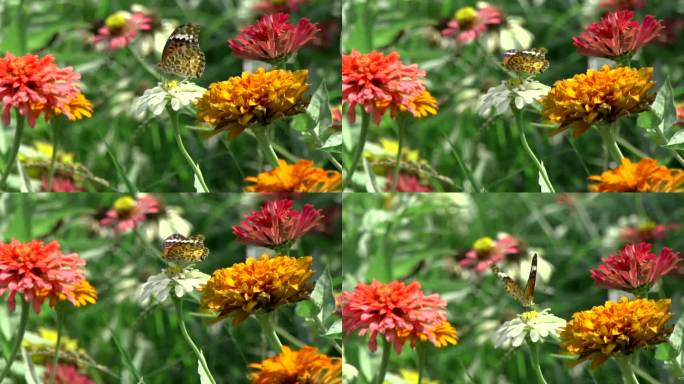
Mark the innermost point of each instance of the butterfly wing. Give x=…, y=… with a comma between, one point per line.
x=531, y=281
x=182, y=55
x=525, y=297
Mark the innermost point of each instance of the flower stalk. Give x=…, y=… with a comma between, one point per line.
x=200, y=356
x=523, y=139
x=179, y=141
x=384, y=363
x=55, y=147
x=55, y=359
x=266, y=322
x=18, y=133
x=261, y=135
x=365, y=122
x=625, y=364
x=607, y=132
x=422, y=357
x=18, y=338
x=401, y=123
x=534, y=358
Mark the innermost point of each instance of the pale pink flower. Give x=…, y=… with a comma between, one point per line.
x=406, y=183
x=59, y=184
x=121, y=29
x=469, y=23
x=647, y=231
x=67, y=374
x=487, y=252
x=128, y=212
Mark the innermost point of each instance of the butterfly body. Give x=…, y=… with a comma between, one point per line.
x=530, y=61
x=178, y=248
x=182, y=55
x=526, y=296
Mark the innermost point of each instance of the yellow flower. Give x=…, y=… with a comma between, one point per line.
x=424, y=104
x=257, y=285
x=599, y=96
x=78, y=107
x=300, y=177
x=124, y=205
x=46, y=149
x=444, y=333
x=253, y=98
x=41, y=347
x=645, y=176
x=306, y=366
x=411, y=377
x=616, y=327
x=84, y=294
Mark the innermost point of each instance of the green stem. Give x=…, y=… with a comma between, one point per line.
x=25, y=306
x=365, y=122
x=386, y=350
x=181, y=146
x=200, y=357
x=55, y=358
x=144, y=64
x=625, y=364
x=534, y=356
x=55, y=148
x=18, y=133
x=526, y=146
x=607, y=133
x=422, y=354
x=397, y=165
x=21, y=18
x=266, y=323
x=261, y=134
x=368, y=14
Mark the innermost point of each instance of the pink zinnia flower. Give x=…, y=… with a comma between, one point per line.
x=60, y=184
x=272, y=38
x=39, y=271
x=680, y=113
x=336, y=114
x=128, y=212
x=273, y=6
x=396, y=311
x=35, y=85
x=406, y=183
x=487, y=252
x=378, y=83
x=67, y=374
x=647, y=231
x=617, y=35
x=277, y=224
x=469, y=23
x=615, y=5
x=635, y=266
x=120, y=29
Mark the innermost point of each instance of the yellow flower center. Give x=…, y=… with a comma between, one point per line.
x=527, y=316
x=647, y=225
x=116, y=21
x=483, y=244
x=124, y=205
x=169, y=85
x=465, y=17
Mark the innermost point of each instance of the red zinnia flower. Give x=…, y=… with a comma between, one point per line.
x=277, y=224
x=469, y=23
x=120, y=29
x=617, y=35
x=60, y=184
x=647, y=230
x=67, y=374
x=273, y=6
x=406, y=183
x=398, y=312
x=378, y=82
x=634, y=267
x=39, y=271
x=35, y=85
x=487, y=252
x=128, y=212
x=272, y=38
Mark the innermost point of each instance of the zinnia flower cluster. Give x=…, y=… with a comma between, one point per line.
x=616, y=327
x=178, y=94
x=381, y=82
x=302, y=176
x=272, y=38
x=599, y=96
x=397, y=312
x=120, y=29
x=277, y=225
x=128, y=212
x=469, y=23
x=635, y=267
x=498, y=100
x=253, y=98
x=645, y=176
x=532, y=325
x=39, y=271
x=487, y=252
x=617, y=35
x=257, y=285
x=34, y=86
x=306, y=366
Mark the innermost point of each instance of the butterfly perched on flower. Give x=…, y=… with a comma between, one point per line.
x=529, y=61
x=526, y=297
x=178, y=248
x=182, y=55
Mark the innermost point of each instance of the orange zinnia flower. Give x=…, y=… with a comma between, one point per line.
x=299, y=177
x=306, y=366
x=645, y=176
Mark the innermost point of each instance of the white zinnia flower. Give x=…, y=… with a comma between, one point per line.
x=159, y=285
x=499, y=98
x=538, y=325
x=179, y=94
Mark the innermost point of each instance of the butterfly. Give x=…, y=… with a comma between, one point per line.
x=526, y=297
x=529, y=61
x=182, y=55
x=178, y=248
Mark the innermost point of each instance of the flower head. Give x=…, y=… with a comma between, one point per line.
x=379, y=83
x=67, y=374
x=599, y=96
x=398, y=312
x=306, y=366
x=35, y=85
x=40, y=271
x=277, y=224
x=634, y=267
x=253, y=98
x=647, y=230
x=120, y=29
x=59, y=184
x=645, y=176
x=469, y=23
x=77, y=108
x=406, y=183
x=520, y=94
x=257, y=285
x=300, y=177
x=616, y=327
x=486, y=252
x=178, y=94
x=617, y=35
x=128, y=212
x=273, y=38
x=422, y=105
x=532, y=325
x=178, y=280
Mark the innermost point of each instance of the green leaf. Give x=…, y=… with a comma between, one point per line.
x=648, y=120
x=676, y=142
x=664, y=107
x=333, y=142
x=665, y=352
x=204, y=379
x=677, y=336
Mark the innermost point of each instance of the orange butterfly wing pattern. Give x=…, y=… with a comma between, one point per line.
x=178, y=248
x=182, y=55
x=526, y=297
x=530, y=61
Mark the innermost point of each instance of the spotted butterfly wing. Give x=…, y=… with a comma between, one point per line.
x=530, y=61
x=178, y=248
x=182, y=55
x=526, y=297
